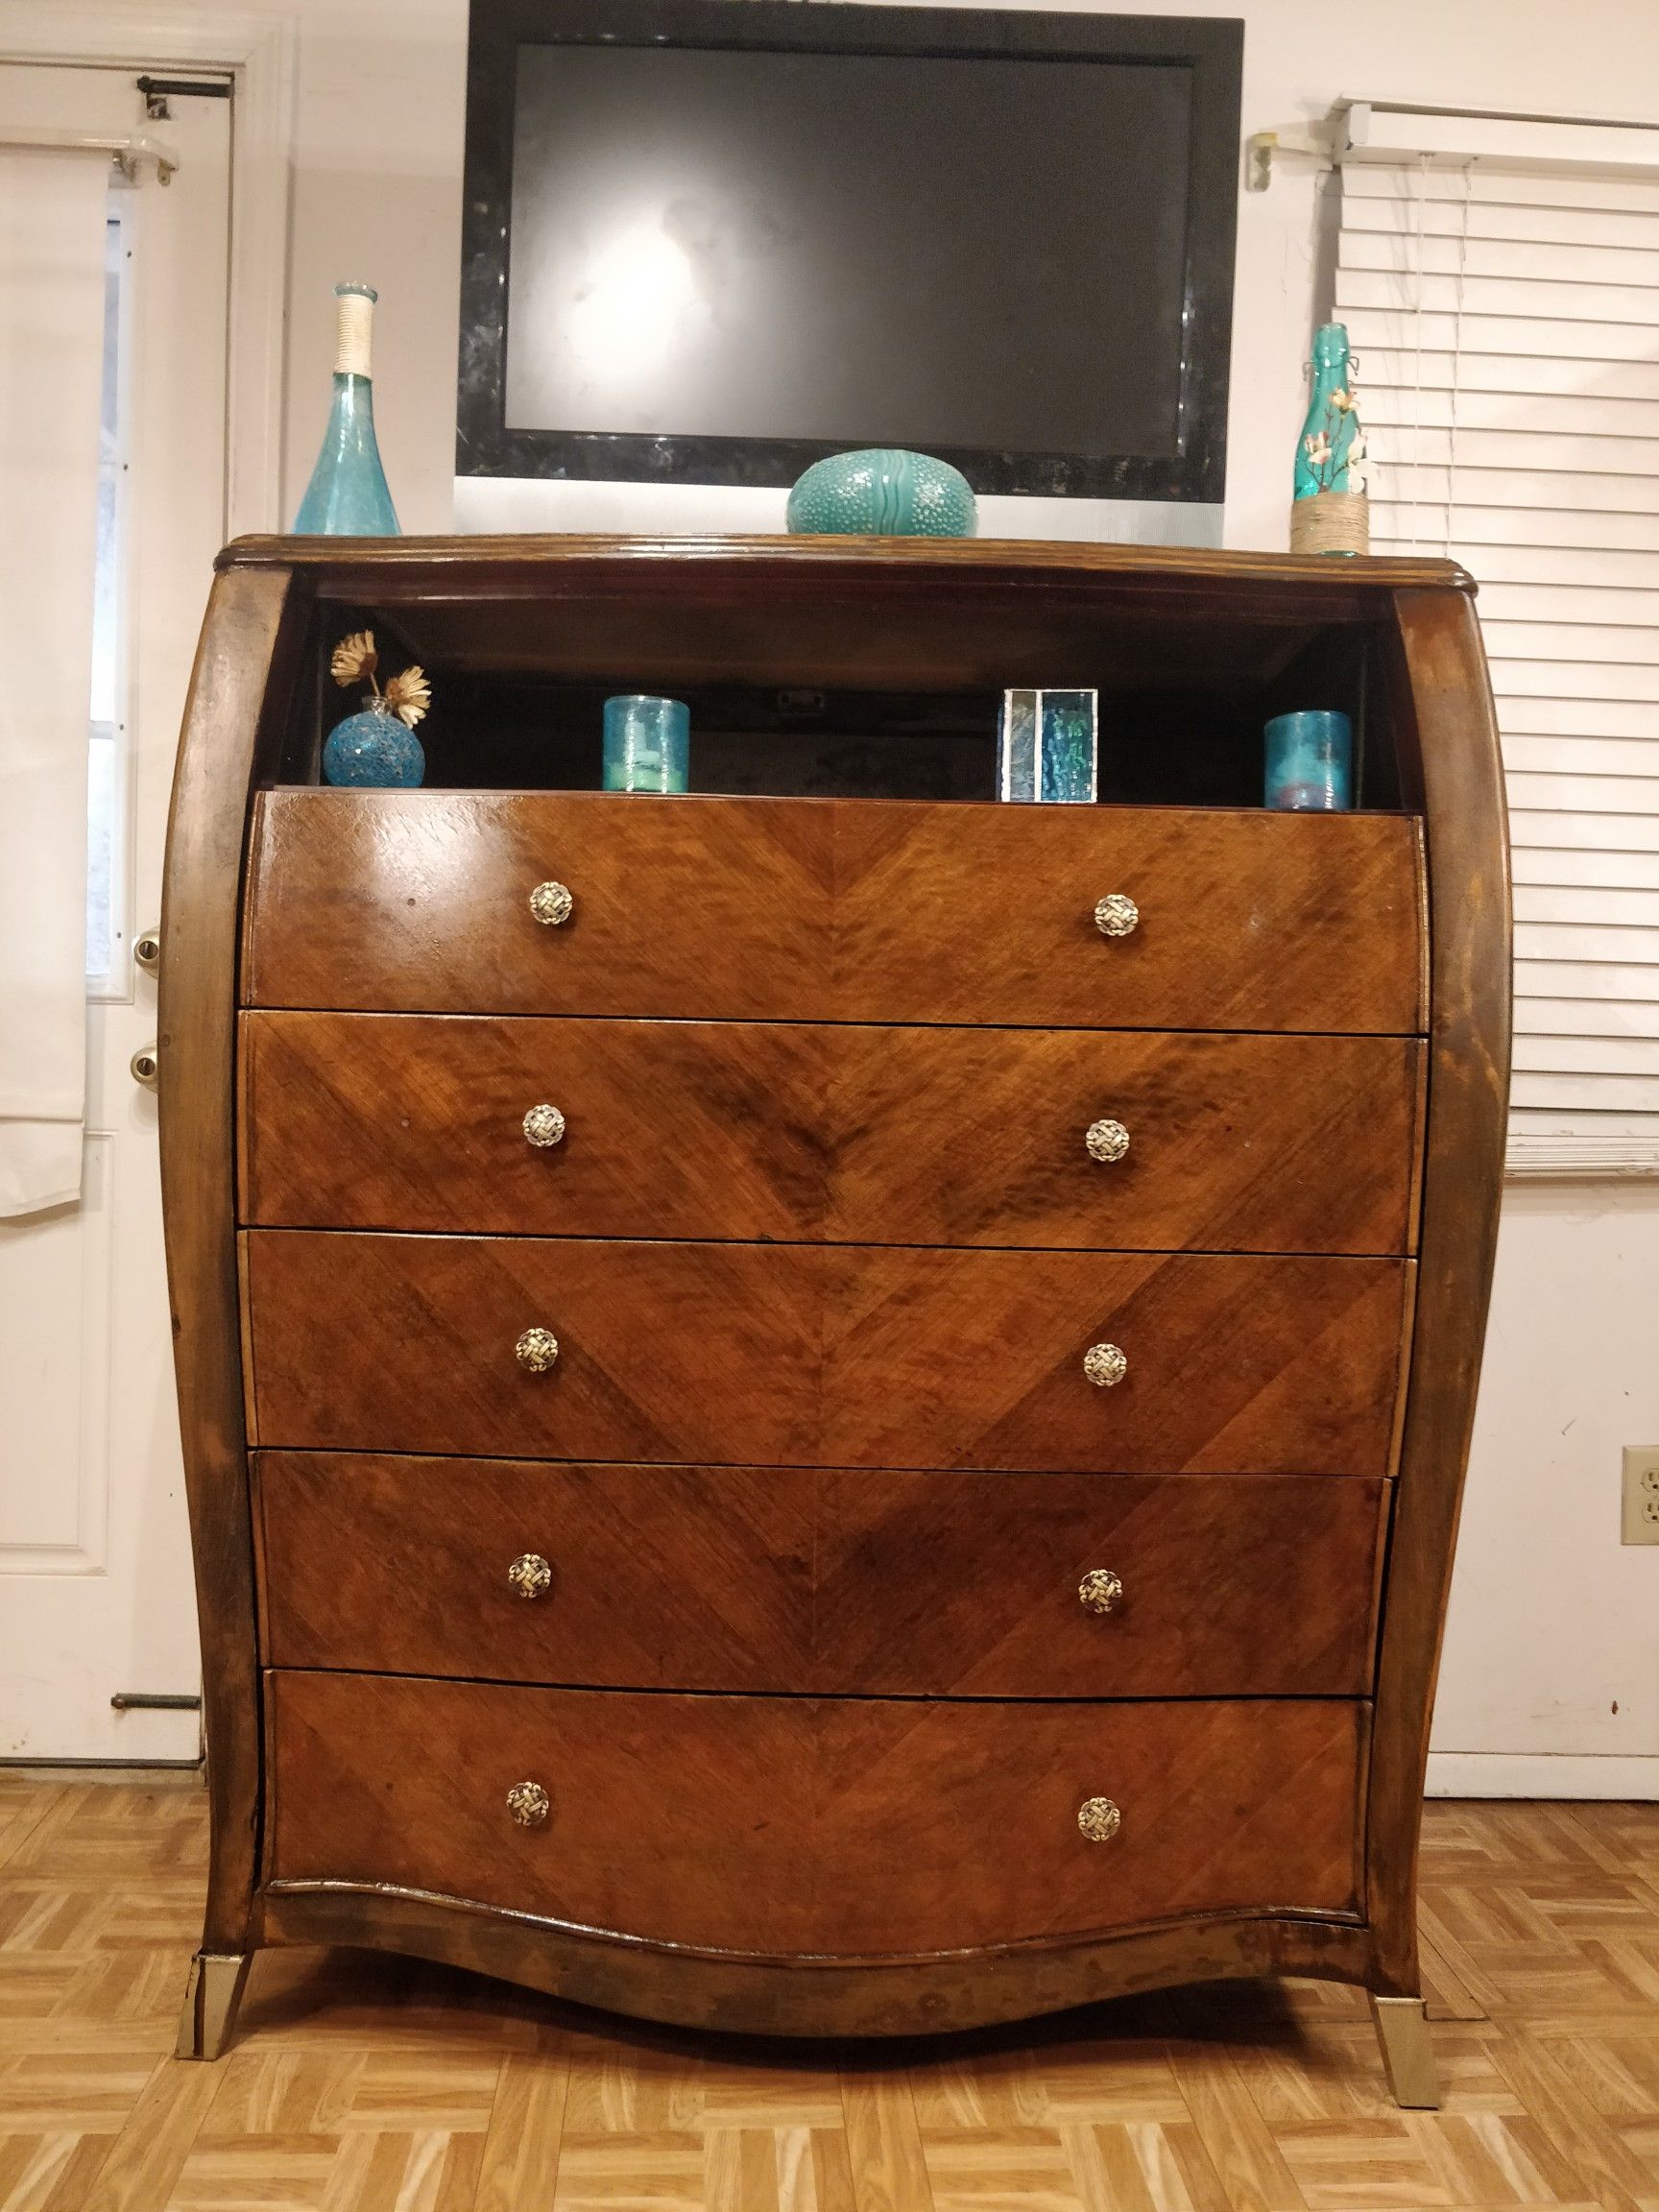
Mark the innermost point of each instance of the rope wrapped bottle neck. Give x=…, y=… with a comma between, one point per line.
x=354, y=329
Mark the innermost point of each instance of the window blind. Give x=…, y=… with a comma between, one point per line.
x=1505, y=315
x=51, y=362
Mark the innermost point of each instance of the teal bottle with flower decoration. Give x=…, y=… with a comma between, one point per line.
x=1332, y=453
x=1329, y=512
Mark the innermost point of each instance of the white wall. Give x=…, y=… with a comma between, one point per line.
x=1553, y=1654
x=380, y=128
x=377, y=192
x=1550, y=1682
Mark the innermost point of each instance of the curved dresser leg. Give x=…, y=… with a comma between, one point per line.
x=211, y=1997
x=1401, y=2026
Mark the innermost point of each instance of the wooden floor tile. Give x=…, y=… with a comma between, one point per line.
x=519, y=2160
x=619, y=2168
x=367, y=2084
x=50, y=2172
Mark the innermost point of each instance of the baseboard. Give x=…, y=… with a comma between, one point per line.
x=1542, y=1774
x=132, y=1770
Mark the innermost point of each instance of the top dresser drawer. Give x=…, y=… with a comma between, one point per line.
x=834, y=910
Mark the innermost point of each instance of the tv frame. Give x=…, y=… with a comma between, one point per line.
x=1211, y=47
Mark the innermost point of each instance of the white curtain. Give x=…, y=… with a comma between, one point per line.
x=52, y=221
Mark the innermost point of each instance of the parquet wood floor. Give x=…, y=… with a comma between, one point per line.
x=369, y=2085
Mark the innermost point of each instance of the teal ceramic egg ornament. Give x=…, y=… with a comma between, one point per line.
x=882, y=493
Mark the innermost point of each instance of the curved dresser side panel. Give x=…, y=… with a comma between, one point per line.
x=244, y=638
x=1465, y=827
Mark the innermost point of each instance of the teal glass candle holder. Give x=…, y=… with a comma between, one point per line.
x=647, y=743
x=1310, y=762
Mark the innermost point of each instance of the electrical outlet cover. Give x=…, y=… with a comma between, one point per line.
x=1640, y=1493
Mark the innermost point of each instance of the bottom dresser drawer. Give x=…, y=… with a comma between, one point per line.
x=780, y=1825
x=739, y=1578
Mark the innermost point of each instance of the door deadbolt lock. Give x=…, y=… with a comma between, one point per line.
x=147, y=950
x=145, y=1066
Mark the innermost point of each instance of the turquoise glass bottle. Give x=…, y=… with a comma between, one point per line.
x=1331, y=446
x=348, y=495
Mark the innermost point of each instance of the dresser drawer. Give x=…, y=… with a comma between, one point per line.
x=872, y=910
x=839, y=1131
x=740, y=1578
x=822, y=1355
x=791, y=1825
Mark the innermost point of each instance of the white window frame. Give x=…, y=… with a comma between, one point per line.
x=113, y=981
x=258, y=52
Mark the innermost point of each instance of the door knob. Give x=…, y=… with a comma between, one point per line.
x=1099, y=1819
x=1106, y=1140
x=1105, y=1365
x=544, y=1127
x=1116, y=915
x=530, y=1574
x=1099, y=1590
x=530, y=1804
x=551, y=903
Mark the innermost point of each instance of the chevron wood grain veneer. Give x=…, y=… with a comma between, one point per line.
x=819, y=1412
x=840, y=1581
x=786, y=1131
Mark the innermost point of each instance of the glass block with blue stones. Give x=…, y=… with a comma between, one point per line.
x=1017, y=746
x=373, y=751
x=1047, y=747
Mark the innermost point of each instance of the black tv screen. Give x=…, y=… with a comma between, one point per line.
x=710, y=240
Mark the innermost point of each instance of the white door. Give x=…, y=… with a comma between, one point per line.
x=96, y=1596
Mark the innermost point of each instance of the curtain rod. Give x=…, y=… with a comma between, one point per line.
x=129, y=155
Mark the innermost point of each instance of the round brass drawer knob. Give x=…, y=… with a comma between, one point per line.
x=1116, y=915
x=544, y=1127
x=1107, y=1140
x=1099, y=1819
x=537, y=1350
x=1105, y=1365
x=529, y=1804
x=551, y=903
x=530, y=1574
x=1099, y=1590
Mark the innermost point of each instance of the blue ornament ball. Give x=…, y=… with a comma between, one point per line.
x=373, y=751
x=882, y=493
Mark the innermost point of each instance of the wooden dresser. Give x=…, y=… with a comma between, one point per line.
x=836, y=1408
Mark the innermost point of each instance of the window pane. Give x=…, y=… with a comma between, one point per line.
x=104, y=777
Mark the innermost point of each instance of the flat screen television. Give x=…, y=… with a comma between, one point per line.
x=708, y=242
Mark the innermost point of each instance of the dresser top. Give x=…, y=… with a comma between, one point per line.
x=463, y=563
